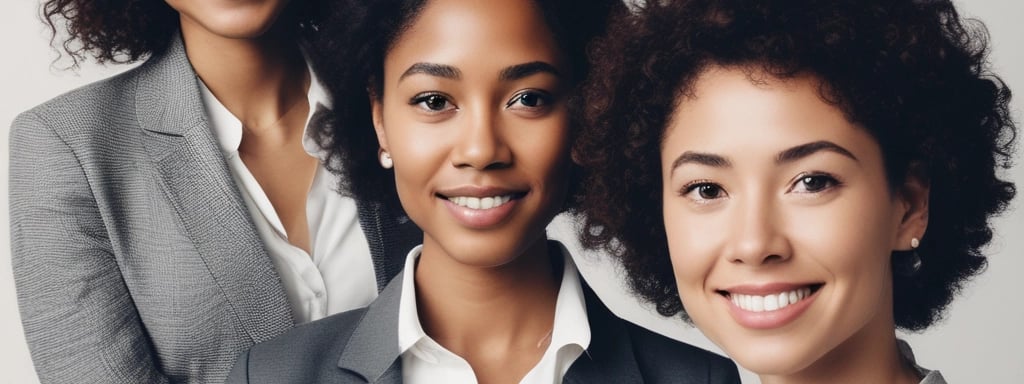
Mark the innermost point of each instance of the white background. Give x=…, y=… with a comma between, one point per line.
x=979, y=342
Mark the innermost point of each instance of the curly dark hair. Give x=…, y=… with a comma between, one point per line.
x=912, y=72
x=127, y=31
x=351, y=48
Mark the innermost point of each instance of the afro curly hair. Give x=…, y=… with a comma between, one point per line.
x=912, y=72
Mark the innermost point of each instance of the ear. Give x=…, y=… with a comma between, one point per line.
x=913, y=198
x=377, y=107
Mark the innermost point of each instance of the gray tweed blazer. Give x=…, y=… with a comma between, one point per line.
x=361, y=346
x=134, y=256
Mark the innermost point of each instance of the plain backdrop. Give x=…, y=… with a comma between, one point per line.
x=980, y=341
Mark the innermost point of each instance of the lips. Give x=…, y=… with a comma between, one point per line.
x=769, y=306
x=480, y=207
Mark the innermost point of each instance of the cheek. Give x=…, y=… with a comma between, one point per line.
x=544, y=150
x=419, y=154
x=850, y=242
x=692, y=239
x=851, y=236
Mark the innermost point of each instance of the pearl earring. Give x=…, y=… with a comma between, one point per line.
x=385, y=160
x=914, y=242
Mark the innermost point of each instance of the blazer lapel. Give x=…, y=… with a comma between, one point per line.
x=372, y=350
x=195, y=178
x=609, y=359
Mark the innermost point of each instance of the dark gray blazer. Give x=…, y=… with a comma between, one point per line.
x=361, y=346
x=134, y=255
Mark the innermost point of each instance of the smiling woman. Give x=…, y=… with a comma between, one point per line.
x=813, y=176
x=463, y=114
x=748, y=229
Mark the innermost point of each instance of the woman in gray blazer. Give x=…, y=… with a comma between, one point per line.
x=164, y=220
x=461, y=111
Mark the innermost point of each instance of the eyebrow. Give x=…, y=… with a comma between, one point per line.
x=804, y=150
x=514, y=72
x=432, y=69
x=711, y=160
x=520, y=71
x=786, y=156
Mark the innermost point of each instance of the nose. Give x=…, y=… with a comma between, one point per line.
x=758, y=235
x=481, y=143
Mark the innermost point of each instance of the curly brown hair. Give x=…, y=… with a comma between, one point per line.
x=912, y=72
x=127, y=31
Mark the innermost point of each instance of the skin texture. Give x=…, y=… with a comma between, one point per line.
x=739, y=219
x=476, y=132
x=254, y=67
x=246, y=19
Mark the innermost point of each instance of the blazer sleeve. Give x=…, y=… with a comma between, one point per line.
x=79, y=318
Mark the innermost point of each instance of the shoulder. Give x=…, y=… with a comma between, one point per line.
x=314, y=338
x=116, y=92
x=102, y=106
x=661, y=358
x=303, y=353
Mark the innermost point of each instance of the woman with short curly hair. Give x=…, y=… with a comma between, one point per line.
x=166, y=219
x=801, y=177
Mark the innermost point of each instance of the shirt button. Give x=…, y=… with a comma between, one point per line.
x=319, y=294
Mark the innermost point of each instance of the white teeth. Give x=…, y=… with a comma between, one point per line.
x=480, y=203
x=770, y=302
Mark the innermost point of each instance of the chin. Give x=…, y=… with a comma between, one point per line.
x=770, y=358
x=243, y=30
x=241, y=24
x=479, y=252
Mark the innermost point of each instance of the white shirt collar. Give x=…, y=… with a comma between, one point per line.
x=228, y=128
x=571, y=326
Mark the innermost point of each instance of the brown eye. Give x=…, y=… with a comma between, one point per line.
x=709, y=191
x=814, y=183
x=435, y=103
x=703, y=192
x=432, y=102
x=529, y=99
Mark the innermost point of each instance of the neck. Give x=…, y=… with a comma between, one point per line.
x=259, y=79
x=469, y=309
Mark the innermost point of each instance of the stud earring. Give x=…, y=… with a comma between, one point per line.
x=385, y=160
x=914, y=242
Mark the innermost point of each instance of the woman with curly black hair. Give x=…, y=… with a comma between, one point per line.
x=166, y=219
x=460, y=111
x=801, y=177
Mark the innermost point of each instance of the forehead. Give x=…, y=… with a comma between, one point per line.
x=731, y=109
x=446, y=31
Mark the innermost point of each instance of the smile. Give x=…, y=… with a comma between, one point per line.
x=472, y=202
x=769, y=306
x=770, y=302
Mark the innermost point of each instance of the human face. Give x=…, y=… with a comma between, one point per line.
x=769, y=192
x=237, y=19
x=473, y=114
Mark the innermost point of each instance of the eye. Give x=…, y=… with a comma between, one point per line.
x=703, y=191
x=814, y=183
x=432, y=102
x=530, y=99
